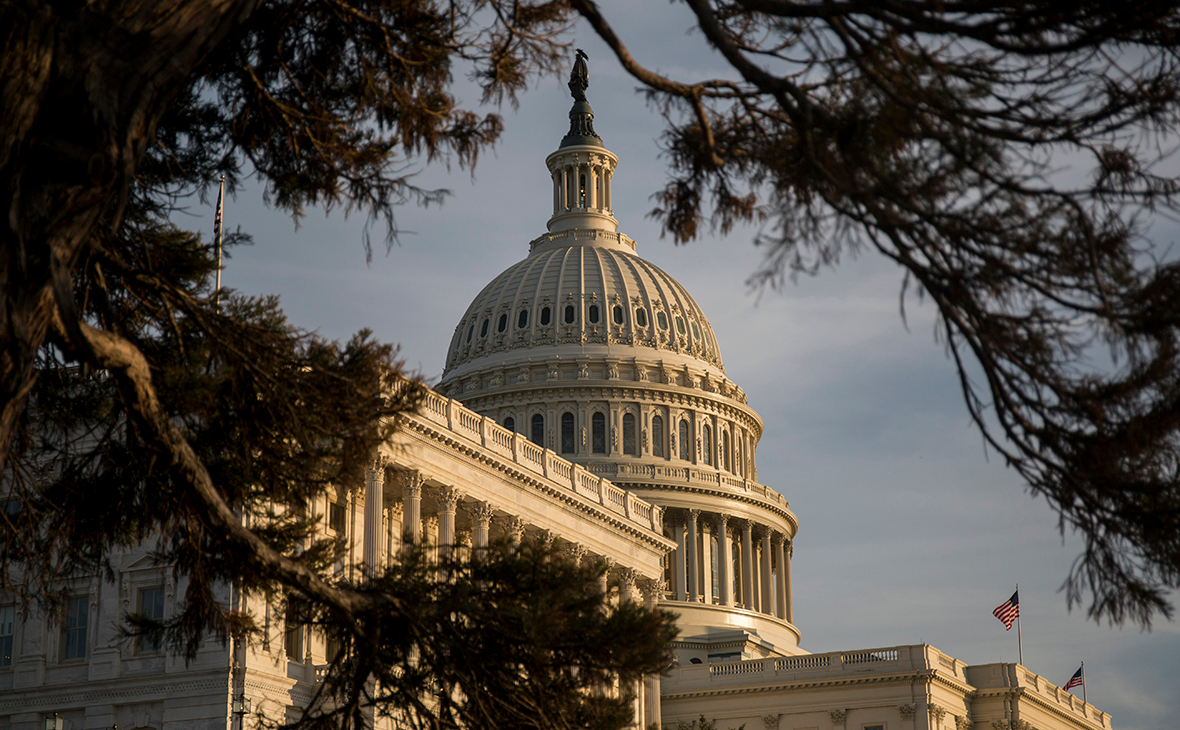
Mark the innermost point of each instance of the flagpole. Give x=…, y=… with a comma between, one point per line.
x=1084, y=682
x=220, y=227
x=1019, y=638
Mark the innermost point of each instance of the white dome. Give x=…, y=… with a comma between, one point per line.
x=584, y=293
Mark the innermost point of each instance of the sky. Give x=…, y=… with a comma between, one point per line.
x=910, y=531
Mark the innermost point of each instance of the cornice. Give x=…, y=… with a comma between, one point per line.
x=900, y=678
x=452, y=443
x=1022, y=694
x=782, y=511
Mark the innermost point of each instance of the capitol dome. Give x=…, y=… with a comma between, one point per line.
x=601, y=357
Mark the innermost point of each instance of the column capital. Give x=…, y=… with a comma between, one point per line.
x=628, y=577
x=375, y=468
x=449, y=498
x=722, y=522
x=651, y=589
x=694, y=514
x=574, y=552
x=481, y=511
x=412, y=483
x=514, y=526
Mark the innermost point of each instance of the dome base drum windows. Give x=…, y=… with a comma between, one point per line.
x=684, y=440
x=629, y=434
x=510, y=423
x=538, y=430
x=598, y=433
x=657, y=435
x=567, y=433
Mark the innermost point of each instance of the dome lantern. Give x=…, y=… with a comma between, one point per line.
x=581, y=168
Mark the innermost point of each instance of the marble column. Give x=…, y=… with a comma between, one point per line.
x=767, y=586
x=747, y=564
x=692, y=557
x=412, y=511
x=790, y=550
x=780, y=557
x=651, y=684
x=707, y=558
x=679, y=569
x=724, y=560
x=481, y=520
x=374, y=488
x=448, y=502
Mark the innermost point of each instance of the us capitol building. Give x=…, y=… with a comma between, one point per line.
x=584, y=397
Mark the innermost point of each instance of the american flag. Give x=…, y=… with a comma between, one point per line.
x=217, y=219
x=1008, y=611
x=1074, y=681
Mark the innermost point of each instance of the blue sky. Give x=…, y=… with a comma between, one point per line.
x=909, y=532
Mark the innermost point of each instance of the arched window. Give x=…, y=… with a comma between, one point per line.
x=598, y=433
x=483, y=330
x=510, y=423
x=592, y=314
x=657, y=435
x=707, y=444
x=545, y=314
x=684, y=441
x=522, y=320
x=538, y=435
x=736, y=572
x=629, y=434
x=567, y=433
x=569, y=314
x=582, y=191
x=618, y=312
x=641, y=317
x=725, y=451
x=503, y=323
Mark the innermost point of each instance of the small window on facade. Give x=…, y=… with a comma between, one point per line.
x=73, y=633
x=150, y=604
x=336, y=517
x=522, y=320
x=629, y=434
x=582, y=191
x=715, y=567
x=684, y=441
x=569, y=314
x=503, y=323
x=725, y=451
x=545, y=317
x=662, y=320
x=598, y=433
x=483, y=329
x=707, y=444
x=696, y=333
x=657, y=435
x=470, y=331
x=293, y=636
x=510, y=423
x=735, y=571
x=7, y=629
x=567, y=433
x=538, y=435
x=641, y=317
x=680, y=325
x=592, y=314
x=618, y=312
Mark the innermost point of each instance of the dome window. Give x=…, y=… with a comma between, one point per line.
x=545, y=316
x=503, y=323
x=592, y=314
x=680, y=325
x=662, y=320
x=696, y=333
x=567, y=433
x=707, y=444
x=510, y=423
x=538, y=435
x=641, y=317
x=657, y=435
x=598, y=433
x=569, y=314
x=483, y=330
x=684, y=445
x=629, y=434
x=522, y=319
x=470, y=332
x=618, y=314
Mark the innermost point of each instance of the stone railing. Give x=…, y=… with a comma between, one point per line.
x=450, y=415
x=1064, y=699
x=779, y=669
x=689, y=475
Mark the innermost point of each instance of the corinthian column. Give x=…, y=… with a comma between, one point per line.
x=748, y=564
x=448, y=502
x=690, y=555
x=724, y=561
x=412, y=512
x=780, y=557
x=481, y=518
x=767, y=600
x=374, y=487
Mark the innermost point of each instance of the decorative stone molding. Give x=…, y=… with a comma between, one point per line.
x=523, y=375
x=375, y=468
x=907, y=711
x=936, y=715
x=963, y=722
x=628, y=577
x=838, y=716
x=449, y=498
x=574, y=552
x=481, y=511
x=514, y=526
x=412, y=483
x=1010, y=725
x=770, y=722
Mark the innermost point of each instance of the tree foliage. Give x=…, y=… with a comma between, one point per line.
x=1010, y=158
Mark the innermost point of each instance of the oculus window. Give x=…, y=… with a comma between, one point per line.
x=503, y=323
x=470, y=331
x=662, y=320
x=592, y=314
x=522, y=319
x=569, y=314
x=545, y=316
x=483, y=329
x=680, y=325
x=618, y=314
x=641, y=317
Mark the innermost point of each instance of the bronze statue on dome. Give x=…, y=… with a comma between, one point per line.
x=579, y=77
